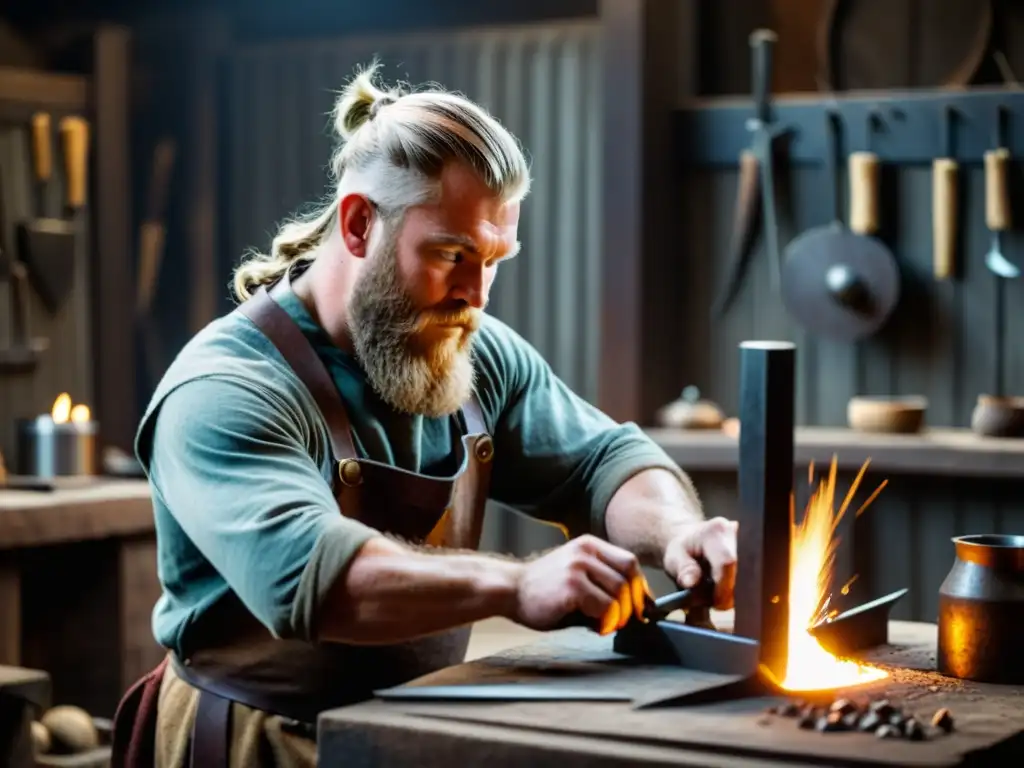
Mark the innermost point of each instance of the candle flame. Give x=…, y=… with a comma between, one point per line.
x=63, y=411
x=61, y=408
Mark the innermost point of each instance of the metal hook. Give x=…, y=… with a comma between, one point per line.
x=952, y=115
x=1004, y=69
x=876, y=124
x=1002, y=117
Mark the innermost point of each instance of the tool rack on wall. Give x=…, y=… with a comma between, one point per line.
x=98, y=330
x=910, y=126
x=951, y=338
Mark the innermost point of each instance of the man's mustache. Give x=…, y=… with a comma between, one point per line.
x=467, y=317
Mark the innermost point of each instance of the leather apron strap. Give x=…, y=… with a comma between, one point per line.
x=211, y=732
x=285, y=334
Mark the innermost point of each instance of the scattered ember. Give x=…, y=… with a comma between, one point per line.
x=881, y=717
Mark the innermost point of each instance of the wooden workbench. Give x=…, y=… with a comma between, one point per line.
x=728, y=733
x=78, y=583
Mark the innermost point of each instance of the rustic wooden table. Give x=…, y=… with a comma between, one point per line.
x=78, y=582
x=989, y=719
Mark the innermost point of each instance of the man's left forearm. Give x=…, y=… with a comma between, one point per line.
x=649, y=510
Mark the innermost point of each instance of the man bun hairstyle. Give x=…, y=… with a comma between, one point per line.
x=360, y=102
x=393, y=145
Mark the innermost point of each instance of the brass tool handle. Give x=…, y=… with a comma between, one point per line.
x=864, y=172
x=74, y=132
x=42, y=146
x=944, y=223
x=748, y=167
x=997, y=200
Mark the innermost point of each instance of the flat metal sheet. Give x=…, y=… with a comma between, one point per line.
x=498, y=692
x=705, y=650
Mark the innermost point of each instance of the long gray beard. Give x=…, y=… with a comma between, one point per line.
x=383, y=325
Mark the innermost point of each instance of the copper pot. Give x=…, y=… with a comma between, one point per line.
x=981, y=610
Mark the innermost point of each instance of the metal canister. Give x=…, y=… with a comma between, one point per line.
x=56, y=449
x=981, y=610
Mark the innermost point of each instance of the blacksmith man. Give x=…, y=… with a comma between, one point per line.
x=320, y=457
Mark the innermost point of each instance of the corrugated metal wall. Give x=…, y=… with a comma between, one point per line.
x=542, y=81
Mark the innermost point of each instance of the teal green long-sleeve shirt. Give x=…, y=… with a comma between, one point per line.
x=239, y=464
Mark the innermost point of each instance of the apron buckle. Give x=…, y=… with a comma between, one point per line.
x=484, y=449
x=349, y=472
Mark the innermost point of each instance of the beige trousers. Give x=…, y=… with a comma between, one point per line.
x=258, y=740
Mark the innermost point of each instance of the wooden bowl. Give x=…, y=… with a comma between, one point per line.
x=998, y=416
x=686, y=413
x=893, y=415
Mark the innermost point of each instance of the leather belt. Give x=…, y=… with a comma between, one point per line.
x=211, y=730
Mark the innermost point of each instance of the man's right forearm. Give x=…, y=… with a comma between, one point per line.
x=391, y=593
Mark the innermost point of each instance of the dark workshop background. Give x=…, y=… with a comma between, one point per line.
x=622, y=249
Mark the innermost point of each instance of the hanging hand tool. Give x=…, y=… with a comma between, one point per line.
x=997, y=203
x=152, y=234
x=744, y=228
x=47, y=244
x=21, y=354
x=74, y=132
x=756, y=176
x=998, y=219
x=841, y=283
x=944, y=203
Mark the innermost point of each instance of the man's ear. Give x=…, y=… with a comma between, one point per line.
x=355, y=219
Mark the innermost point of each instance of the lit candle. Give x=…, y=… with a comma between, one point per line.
x=60, y=443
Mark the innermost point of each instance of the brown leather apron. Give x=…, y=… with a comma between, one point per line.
x=237, y=660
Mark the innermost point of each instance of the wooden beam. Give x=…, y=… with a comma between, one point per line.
x=114, y=268
x=650, y=65
x=34, y=89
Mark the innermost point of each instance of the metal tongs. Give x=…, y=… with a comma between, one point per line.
x=696, y=601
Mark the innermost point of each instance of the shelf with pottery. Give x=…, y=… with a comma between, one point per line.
x=951, y=452
x=888, y=431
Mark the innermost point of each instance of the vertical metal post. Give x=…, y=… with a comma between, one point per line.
x=766, y=412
